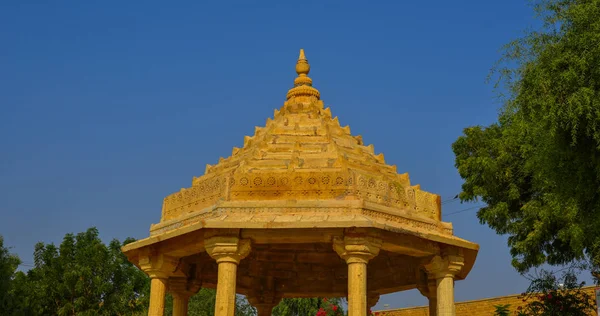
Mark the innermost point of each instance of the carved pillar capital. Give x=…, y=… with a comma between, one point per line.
x=264, y=298
x=446, y=266
x=183, y=287
x=357, y=249
x=227, y=248
x=265, y=302
x=158, y=266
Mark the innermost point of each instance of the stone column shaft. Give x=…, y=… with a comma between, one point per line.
x=227, y=251
x=445, y=296
x=158, y=289
x=443, y=270
x=357, y=250
x=226, y=286
x=357, y=288
x=180, y=305
x=158, y=267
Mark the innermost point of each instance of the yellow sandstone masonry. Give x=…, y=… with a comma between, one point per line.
x=483, y=307
x=302, y=209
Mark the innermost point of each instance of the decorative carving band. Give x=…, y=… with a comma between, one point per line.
x=386, y=191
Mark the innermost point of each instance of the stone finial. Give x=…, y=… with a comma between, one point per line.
x=227, y=248
x=303, y=88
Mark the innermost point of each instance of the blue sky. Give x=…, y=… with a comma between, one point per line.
x=106, y=108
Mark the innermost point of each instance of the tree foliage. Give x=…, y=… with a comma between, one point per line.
x=82, y=276
x=548, y=295
x=8, y=266
x=538, y=168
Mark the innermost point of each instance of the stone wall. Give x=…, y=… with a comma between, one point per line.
x=483, y=307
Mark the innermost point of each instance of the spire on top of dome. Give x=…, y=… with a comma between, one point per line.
x=303, y=84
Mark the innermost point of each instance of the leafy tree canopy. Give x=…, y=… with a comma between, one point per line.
x=82, y=276
x=538, y=168
x=8, y=266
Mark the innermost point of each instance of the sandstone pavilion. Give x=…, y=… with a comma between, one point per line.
x=303, y=209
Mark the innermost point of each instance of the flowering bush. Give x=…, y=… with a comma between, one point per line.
x=546, y=297
x=329, y=308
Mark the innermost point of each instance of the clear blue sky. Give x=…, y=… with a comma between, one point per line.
x=107, y=107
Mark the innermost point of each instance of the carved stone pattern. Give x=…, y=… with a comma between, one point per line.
x=202, y=194
x=291, y=185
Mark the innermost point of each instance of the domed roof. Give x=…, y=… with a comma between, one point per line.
x=303, y=154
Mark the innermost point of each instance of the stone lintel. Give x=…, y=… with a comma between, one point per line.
x=227, y=248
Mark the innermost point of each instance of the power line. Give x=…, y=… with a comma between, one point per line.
x=464, y=210
x=450, y=199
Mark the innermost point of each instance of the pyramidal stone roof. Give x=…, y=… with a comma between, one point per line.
x=303, y=154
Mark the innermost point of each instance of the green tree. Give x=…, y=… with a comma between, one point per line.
x=203, y=304
x=8, y=266
x=548, y=295
x=538, y=168
x=82, y=276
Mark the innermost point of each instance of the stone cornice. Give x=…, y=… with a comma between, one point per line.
x=281, y=208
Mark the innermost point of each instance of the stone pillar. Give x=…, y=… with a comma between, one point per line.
x=181, y=289
x=428, y=288
x=180, y=304
x=158, y=267
x=228, y=251
x=158, y=289
x=357, y=251
x=442, y=270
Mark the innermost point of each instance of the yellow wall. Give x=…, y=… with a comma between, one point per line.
x=484, y=307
